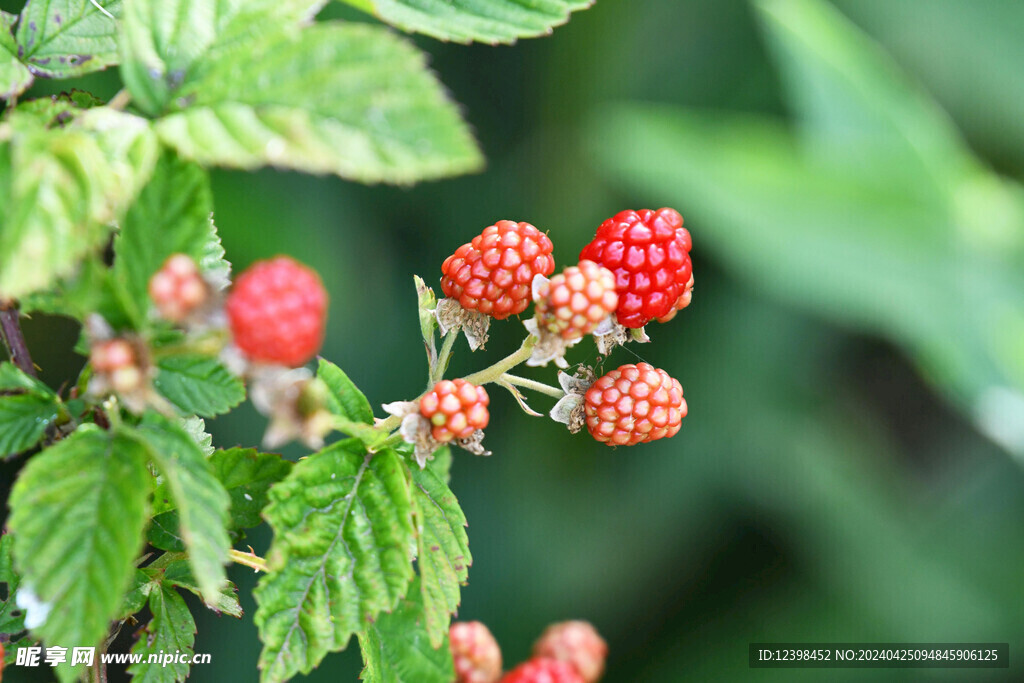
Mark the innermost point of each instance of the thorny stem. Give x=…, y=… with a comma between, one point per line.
x=10, y=326
x=441, y=364
x=249, y=559
x=532, y=385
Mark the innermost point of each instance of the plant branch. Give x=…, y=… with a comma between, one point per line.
x=532, y=385
x=121, y=100
x=441, y=364
x=493, y=373
x=249, y=559
x=10, y=327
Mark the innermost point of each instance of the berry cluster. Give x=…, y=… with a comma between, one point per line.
x=178, y=288
x=634, y=404
x=573, y=303
x=455, y=409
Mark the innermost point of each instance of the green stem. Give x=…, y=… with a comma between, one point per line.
x=441, y=364
x=493, y=373
x=532, y=385
x=121, y=100
x=249, y=559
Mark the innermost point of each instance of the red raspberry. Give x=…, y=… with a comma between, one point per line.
x=543, y=670
x=649, y=252
x=633, y=404
x=682, y=302
x=492, y=274
x=574, y=302
x=117, y=361
x=455, y=408
x=277, y=311
x=475, y=651
x=177, y=289
x=575, y=642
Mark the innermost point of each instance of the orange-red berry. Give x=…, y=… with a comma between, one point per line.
x=178, y=289
x=575, y=301
x=575, y=642
x=634, y=404
x=455, y=409
x=543, y=670
x=475, y=652
x=492, y=274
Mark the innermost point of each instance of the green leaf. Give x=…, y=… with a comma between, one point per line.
x=247, y=476
x=24, y=419
x=172, y=630
x=164, y=531
x=345, y=398
x=66, y=185
x=78, y=511
x=171, y=215
x=200, y=500
x=163, y=39
x=443, y=550
x=397, y=649
x=15, y=77
x=343, y=530
x=67, y=38
x=13, y=378
x=348, y=99
x=9, y=624
x=177, y=572
x=198, y=384
x=465, y=21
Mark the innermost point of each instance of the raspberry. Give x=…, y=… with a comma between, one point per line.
x=543, y=670
x=117, y=361
x=574, y=302
x=178, y=289
x=634, y=404
x=649, y=252
x=475, y=651
x=277, y=311
x=575, y=642
x=455, y=409
x=492, y=274
x=682, y=302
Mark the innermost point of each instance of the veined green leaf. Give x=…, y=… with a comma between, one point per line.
x=78, y=511
x=343, y=529
x=348, y=99
x=200, y=500
x=15, y=77
x=24, y=419
x=247, y=475
x=66, y=38
x=397, y=649
x=9, y=624
x=171, y=630
x=345, y=398
x=198, y=384
x=465, y=21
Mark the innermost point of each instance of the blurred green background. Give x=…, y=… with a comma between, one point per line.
x=850, y=469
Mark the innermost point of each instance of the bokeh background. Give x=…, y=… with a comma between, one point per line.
x=851, y=467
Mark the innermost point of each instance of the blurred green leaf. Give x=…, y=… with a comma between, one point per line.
x=199, y=498
x=24, y=419
x=198, y=384
x=397, y=648
x=347, y=99
x=66, y=38
x=465, y=21
x=78, y=511
x=174, y=569
x=171, y=630
x=247, y=475
x=15, y=77
x=343, y=530
x=9, y=624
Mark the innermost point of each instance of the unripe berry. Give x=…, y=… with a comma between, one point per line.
x=649, y=252
x=543, y=670
x=634, y=404
x=112, y=355
x=178, y=288
x=492, y=274
x=277, y=311
x=575, y=642
x=475, y=652
x=573, y=303
x=455, y=409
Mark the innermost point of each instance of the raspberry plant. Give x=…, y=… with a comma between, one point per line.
x=124, y=502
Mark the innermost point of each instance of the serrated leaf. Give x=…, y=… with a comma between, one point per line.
x=465, y=21
x=65, y=186
x=171, y=630
x=342, y=524
x=397, y=649
x=200, y=500
x=24, y=419
x=247, y=476
x=163, y=39
x=345, y=399
x=171, y=215
x=177, y=572
x=78, y=511
x=196, y=428
x=198, y=384
x=15, y=77
x=67, y=38
x=348, y=99
x=443, y=550
x=13, y=378
x=9, y=624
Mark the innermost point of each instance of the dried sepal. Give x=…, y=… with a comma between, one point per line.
x=296, y=403
x=451, y=315
x=549, y=347
x=473, y=443
x=570, y=409
x=520, y=399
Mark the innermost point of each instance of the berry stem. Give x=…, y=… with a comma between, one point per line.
x=494, y=373
x=441, y=364
x=249, y=559
x=121, y=100
x=533, y=385
x=10, y=329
